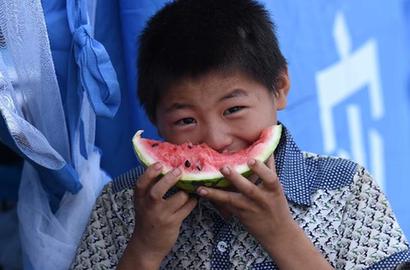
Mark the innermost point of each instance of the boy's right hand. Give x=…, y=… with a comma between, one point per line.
x=158, y=220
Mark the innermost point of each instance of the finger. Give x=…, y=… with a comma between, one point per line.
x=147, y=178
x=267, y=175
x=243, y=185
x=271, y=163
x=230, y=199
x=164, y=184
x=176, y=201
x=186, y=209
x=253, y=178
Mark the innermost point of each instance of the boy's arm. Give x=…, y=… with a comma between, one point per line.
x=292, y=249
x=370, y=236
x=134, y=257
x=105, y=244
x=99, y=247
x=264, y=211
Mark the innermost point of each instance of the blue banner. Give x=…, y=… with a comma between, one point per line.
x=349, y=65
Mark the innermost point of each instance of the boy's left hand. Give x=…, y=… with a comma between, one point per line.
x=262, y=208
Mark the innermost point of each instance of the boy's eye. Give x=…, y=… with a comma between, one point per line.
x=185, y=121
x=233, y=110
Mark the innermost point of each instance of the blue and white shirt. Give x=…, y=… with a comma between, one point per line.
x=335, y=201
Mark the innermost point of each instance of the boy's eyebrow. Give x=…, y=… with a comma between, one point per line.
x=178, y=106
x=235, y=93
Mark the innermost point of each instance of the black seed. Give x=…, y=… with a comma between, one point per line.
x=154, y=145
x=187, y=163
x=198, y=168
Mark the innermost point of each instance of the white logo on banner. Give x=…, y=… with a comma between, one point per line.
x=356, y=71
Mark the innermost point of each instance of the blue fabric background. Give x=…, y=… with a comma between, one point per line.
x=307, y=37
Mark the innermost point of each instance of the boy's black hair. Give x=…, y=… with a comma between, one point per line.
x=189, y=38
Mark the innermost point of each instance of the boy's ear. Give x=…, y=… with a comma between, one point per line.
x=282, y=87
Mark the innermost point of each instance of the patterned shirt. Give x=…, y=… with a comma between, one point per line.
x=335, y=201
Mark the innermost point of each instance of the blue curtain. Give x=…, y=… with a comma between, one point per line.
x=133, y=16
x=53, y=129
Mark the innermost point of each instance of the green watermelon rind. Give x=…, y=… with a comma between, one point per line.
x=191, y=186
x=190, y=181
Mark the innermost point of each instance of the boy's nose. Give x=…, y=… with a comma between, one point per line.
x=218, y=139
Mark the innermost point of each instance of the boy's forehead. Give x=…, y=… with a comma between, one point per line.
x=212, y=80
x=213, y=87
x=211, y=83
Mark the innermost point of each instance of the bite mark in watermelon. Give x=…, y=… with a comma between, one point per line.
x=200, y=164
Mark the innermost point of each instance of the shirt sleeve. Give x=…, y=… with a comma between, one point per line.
x=370, y=234
x=106, y=235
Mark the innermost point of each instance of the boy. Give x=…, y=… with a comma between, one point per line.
x=211, y=71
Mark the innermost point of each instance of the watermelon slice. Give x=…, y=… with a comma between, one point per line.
x=200, y=164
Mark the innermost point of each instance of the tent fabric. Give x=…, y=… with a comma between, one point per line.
x=19, y=102
x=10, y=254
x=60, y=156
x=113, y=135
x=133, y=16
x=94, y=72
x=97, y=75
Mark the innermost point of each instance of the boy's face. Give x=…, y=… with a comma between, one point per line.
x=227, y=112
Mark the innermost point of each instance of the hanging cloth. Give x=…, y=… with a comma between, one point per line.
x=59, y=153
x=92, y=74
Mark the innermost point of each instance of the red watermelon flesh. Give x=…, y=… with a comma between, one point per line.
x=200, y=164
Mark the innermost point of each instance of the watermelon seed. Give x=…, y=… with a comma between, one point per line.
x=198, y=167
x=154, y=145
x=187, y=163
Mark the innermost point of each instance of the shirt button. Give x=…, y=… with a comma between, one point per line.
x=222, y=246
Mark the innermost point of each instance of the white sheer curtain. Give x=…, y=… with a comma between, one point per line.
x=31, y=107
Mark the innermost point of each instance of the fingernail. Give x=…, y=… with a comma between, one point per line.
x=176, y=172
x=251, y=162
x=202, y=192
x=158, y=166
x=226, y=170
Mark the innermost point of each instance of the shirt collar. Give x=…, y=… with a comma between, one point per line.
x=292, y=170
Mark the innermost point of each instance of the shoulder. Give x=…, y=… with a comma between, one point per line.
x=327, y=172
x=333, y=173
x=108, y=230
x=368, y=234
x=114, y=202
